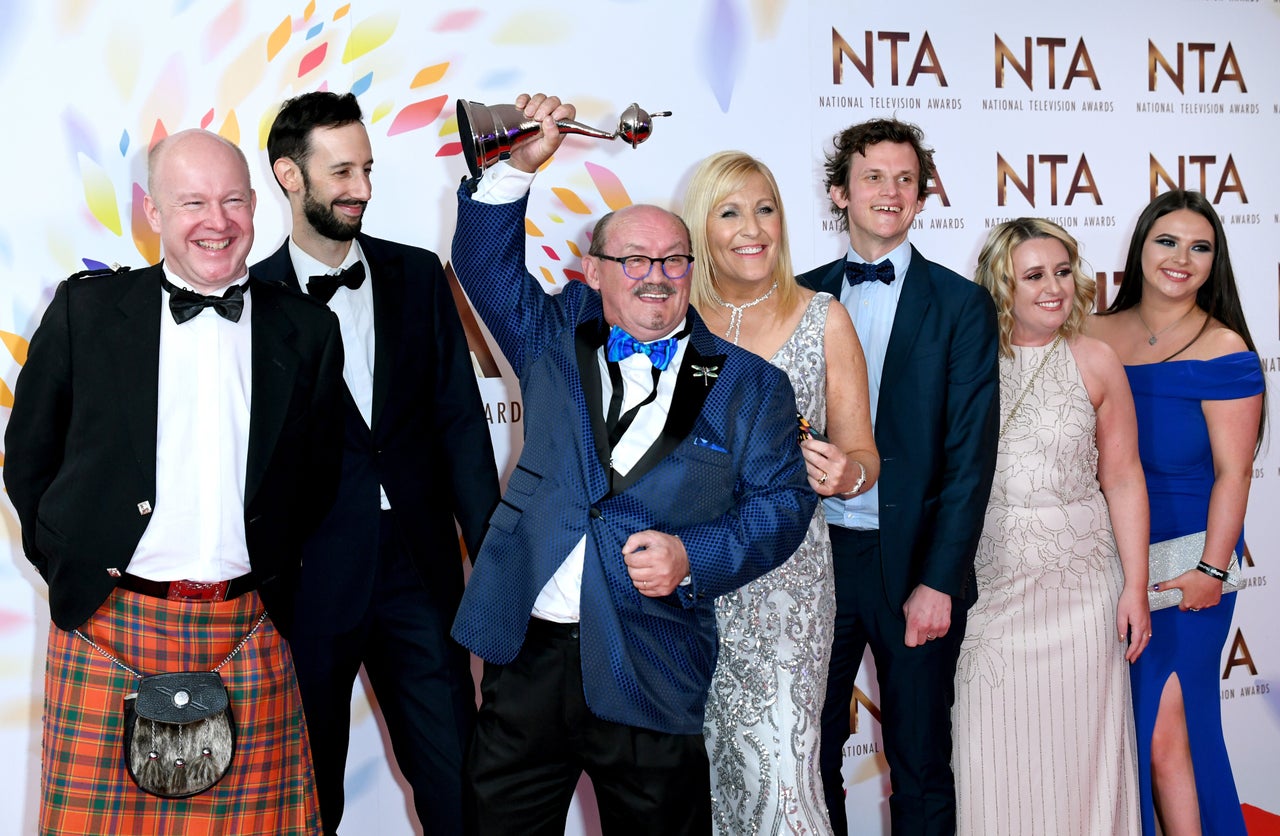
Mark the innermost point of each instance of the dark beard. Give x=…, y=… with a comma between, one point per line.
x=327, y=222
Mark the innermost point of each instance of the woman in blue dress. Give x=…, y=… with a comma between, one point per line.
x=1179, y=328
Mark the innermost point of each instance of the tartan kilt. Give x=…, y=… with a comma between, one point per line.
x=85, y=787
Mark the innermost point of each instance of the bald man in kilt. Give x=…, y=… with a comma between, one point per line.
x=175, y=435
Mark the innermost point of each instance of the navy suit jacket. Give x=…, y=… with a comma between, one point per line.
x=429, y=446
x=936, y=427
x=726, y=476
x=81, y=441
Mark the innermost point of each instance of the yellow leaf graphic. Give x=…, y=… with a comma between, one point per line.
x=99, y=194
x=368, y=35
x=17, y=346
x=429, y=75
x=279, y=37
x=571, y=201
x=230, y=130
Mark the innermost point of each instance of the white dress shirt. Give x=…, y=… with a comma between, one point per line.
x=354, y=309
x=872, y=306
x=196, y=531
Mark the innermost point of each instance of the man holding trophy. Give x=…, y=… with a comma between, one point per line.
x=659, y=471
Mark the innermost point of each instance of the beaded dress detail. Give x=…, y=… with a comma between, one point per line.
x=764, y=708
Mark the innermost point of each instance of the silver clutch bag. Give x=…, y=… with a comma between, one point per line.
x=1171, y=558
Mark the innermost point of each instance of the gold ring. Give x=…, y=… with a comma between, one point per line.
x=823, y=480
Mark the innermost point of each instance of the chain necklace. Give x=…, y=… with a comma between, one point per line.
x=736, y=312
x=1155, y=335
x=1008, y=421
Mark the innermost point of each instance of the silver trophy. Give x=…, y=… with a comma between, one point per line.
x=489, y=132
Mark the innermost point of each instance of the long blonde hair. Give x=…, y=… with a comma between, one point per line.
x=995, y=273
x=715, y=178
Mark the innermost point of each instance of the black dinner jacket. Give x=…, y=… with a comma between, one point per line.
x=429, y=445
x=80, y=448
x=935, y=427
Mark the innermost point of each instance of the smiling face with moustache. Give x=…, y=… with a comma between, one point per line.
x=883, y=196
x=648, y=308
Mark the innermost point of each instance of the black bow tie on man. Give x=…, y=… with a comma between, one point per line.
x=855, y=273
x=187, y=304
x=324, y=286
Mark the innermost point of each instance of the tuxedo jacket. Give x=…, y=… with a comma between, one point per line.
x=429, y=445
x=936, y=427
x=80, y=448
x=725, y=475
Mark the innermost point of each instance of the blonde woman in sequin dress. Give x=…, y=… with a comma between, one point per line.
x=1044, y=739
x=765, y=703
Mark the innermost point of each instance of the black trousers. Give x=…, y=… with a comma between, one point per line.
x=422, y=683
x=917, y=690
x=535, y=737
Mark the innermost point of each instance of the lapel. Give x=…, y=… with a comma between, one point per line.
x=913, y=305
x=278, y=268
x=693, y=384
x=275, y=368
x=587, y=339
x=134, y=341
x=832, y=281
x=387, y=278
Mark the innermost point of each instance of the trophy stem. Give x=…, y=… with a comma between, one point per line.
x=488, y=132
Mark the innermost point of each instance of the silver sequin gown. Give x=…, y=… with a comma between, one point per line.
x=765, y=703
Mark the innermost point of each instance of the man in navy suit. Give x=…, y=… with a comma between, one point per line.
x=660, y=469
x=382, y=576
x=903, y=551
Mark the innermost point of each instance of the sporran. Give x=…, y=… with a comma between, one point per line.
x=179, y=732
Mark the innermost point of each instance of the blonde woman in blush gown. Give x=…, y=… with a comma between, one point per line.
x=1044, y=739
x=765, y=703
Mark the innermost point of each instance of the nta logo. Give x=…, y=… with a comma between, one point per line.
x=925, y=62
x=1228, y=180
x=1081, y=66
x=1082, y=181
x=1228, y=69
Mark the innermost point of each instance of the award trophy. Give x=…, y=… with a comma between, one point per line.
x=488, y=132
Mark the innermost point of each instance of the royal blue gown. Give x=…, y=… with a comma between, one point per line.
x=1173, y=442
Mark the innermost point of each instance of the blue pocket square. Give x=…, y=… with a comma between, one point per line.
x=710, y=445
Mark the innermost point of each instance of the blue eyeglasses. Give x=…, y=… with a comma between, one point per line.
x=637, y=267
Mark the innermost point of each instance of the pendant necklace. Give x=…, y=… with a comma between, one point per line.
x=1154, y=336
x=736, y=312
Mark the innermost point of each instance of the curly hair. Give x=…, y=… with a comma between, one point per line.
x=995, y=272
x=857, y=139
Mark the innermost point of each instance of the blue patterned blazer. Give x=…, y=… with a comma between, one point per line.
x=726, y=476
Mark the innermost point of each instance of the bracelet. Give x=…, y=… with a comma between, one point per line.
x=857, y=486
x=1212, y=571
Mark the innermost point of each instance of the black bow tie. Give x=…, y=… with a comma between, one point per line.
x=855, y=273
x=186, y=304
x=323, y=287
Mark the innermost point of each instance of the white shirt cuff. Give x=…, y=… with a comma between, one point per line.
x=502, y=183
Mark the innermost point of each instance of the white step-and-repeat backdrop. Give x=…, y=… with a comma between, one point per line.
x=1079, y=112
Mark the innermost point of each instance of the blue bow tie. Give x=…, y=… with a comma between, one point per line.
x=855, y=273
x=622, y=345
